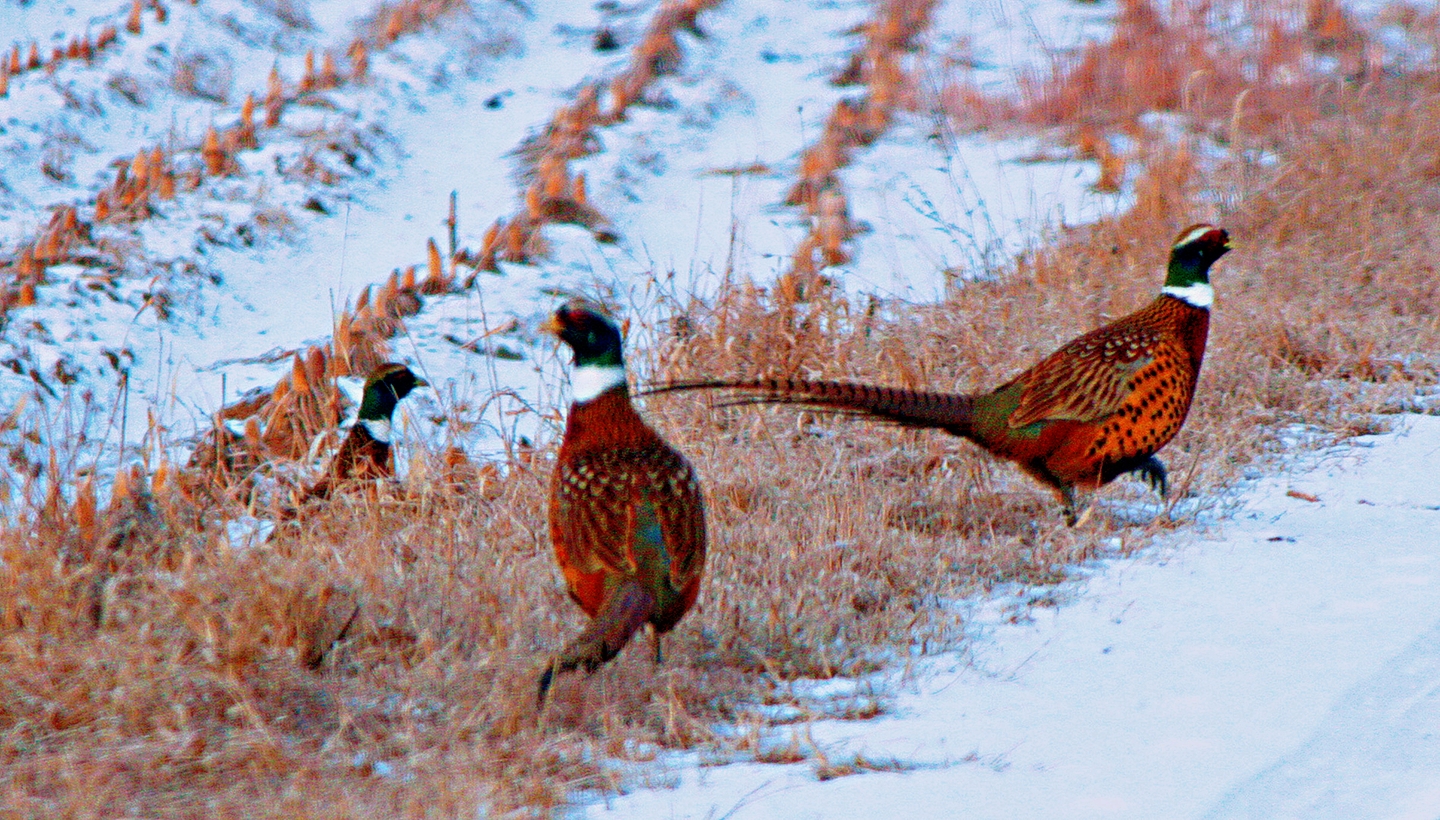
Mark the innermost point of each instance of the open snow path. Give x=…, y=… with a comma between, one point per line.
x=1284, y=665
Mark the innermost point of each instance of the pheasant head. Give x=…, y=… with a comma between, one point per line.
x=384, y=388
x=1188, y=276
x=595, y=340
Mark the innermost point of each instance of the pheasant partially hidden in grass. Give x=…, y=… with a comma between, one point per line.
x=365, y=451
x=1097, y=408
x=626, y=517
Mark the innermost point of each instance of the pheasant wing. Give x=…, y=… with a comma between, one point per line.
x=1088, y=379
x=593, y=496
x=680, y=511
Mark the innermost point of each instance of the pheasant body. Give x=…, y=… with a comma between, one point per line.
x=365, y=452
x=627, y=519
x=1095, y=409
x=1102, y=405
x=615, y=495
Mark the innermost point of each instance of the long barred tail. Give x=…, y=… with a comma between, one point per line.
x=913, y=408
x=624, y=612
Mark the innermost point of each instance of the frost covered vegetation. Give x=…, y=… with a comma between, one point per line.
x=151, y=668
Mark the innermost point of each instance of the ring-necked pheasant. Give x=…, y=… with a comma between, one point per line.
x=365, y=451
x=1097, y=408
x=626, y=517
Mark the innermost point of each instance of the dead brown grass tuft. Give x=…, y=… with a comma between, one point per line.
x=1233, y=69
x=1246, y=71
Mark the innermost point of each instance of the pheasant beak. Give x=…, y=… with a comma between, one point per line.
x=419, y=382
x=552, y=325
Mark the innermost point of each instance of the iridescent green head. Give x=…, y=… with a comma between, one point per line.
x=1188, y=276
x=597, y=344
x=384, y=388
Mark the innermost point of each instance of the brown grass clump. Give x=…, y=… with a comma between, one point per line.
x=245, y=131
x=79, y=47
x=1233, y=69
x=656, y=54
x=329, y=73
x=391, y=21
x=63, y=238
x=216, y=161
x=359, y=61
x=274, y=98
x=308, y=81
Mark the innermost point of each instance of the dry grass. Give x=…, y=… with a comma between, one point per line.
x=151, y=670
x=1239, y=70
x=151, y=666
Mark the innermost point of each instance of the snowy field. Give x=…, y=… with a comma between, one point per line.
x=1284, y=663
x=446, y=112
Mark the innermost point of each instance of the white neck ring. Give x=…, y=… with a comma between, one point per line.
x=379, y=429
x=1199, y=295
x=589, y=381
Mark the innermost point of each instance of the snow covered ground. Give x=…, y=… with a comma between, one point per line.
x=444, y=110
x=1284, y=663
